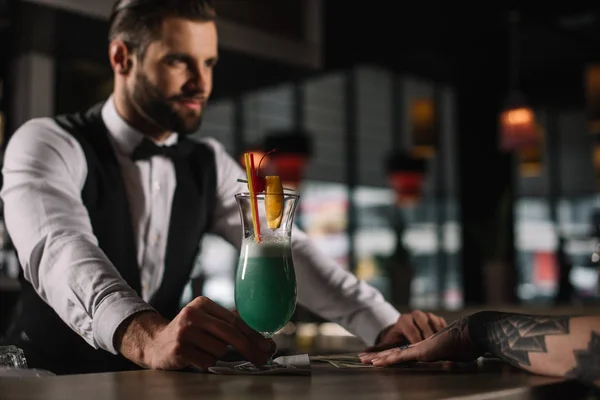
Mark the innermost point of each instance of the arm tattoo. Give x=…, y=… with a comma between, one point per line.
x=513, y=336
x=455, y=329
x=587, y=362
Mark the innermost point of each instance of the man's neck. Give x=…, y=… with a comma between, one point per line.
x=128, y=112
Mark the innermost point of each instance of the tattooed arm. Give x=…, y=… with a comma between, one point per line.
x=555, y=346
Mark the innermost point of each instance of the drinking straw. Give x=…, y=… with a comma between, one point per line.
x=254, y=198
x=250, y=170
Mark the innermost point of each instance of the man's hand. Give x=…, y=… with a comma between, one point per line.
x=450, y=344
x=410, y=328
x=198, y=336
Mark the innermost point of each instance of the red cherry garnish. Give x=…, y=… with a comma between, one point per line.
x=261, y=184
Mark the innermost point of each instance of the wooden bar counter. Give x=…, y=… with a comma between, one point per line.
x=490, y=379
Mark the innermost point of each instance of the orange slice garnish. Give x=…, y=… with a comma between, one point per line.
x=273, y=201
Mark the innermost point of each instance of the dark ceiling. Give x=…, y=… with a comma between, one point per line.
x=435, y=39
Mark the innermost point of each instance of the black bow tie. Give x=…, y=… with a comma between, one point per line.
x=148, y=148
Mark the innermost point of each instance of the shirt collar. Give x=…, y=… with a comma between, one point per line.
x=124, y=137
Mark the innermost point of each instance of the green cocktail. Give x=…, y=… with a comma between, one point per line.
x=265, y=287
x=265, y=284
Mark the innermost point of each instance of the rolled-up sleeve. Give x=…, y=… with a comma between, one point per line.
x=44, y=171
x=324, y=287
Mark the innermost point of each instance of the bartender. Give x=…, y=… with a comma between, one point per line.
x=106, y=208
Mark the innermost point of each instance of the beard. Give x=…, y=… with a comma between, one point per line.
x=161, y=110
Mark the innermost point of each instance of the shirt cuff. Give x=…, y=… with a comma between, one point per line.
x=113, y=310
x=372, y=321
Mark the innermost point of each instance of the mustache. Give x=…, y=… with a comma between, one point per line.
x=186, y=97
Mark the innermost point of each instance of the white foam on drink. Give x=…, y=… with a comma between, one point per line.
x=268, y=247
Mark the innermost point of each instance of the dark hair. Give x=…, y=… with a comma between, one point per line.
x=137, y=22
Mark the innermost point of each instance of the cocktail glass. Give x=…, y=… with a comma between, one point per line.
x=265, y=284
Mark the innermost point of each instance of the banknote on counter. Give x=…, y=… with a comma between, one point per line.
x=351, y=360
x=346, y=360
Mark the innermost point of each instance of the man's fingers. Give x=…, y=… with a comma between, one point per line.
x=207, y=343
x=408, y=328
x=233, y=336
x=396, y=356
x=219, y=312
x=210, y=307
x=266, y=345
x=367, y=357
x=422, y=322
x=438, y=323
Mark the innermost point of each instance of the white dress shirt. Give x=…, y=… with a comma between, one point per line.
x=44, y=172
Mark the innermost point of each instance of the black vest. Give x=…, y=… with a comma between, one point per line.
x=52, y=344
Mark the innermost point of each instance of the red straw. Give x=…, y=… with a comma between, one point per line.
x=254, y=197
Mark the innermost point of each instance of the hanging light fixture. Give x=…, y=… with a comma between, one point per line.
x=597, y=160
x=518, y=127
x=422, y=114
x=406, y=175
x=531, y=156
x=597, y=154
x=592, y=92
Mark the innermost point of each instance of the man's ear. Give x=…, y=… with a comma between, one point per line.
x=120, y=57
